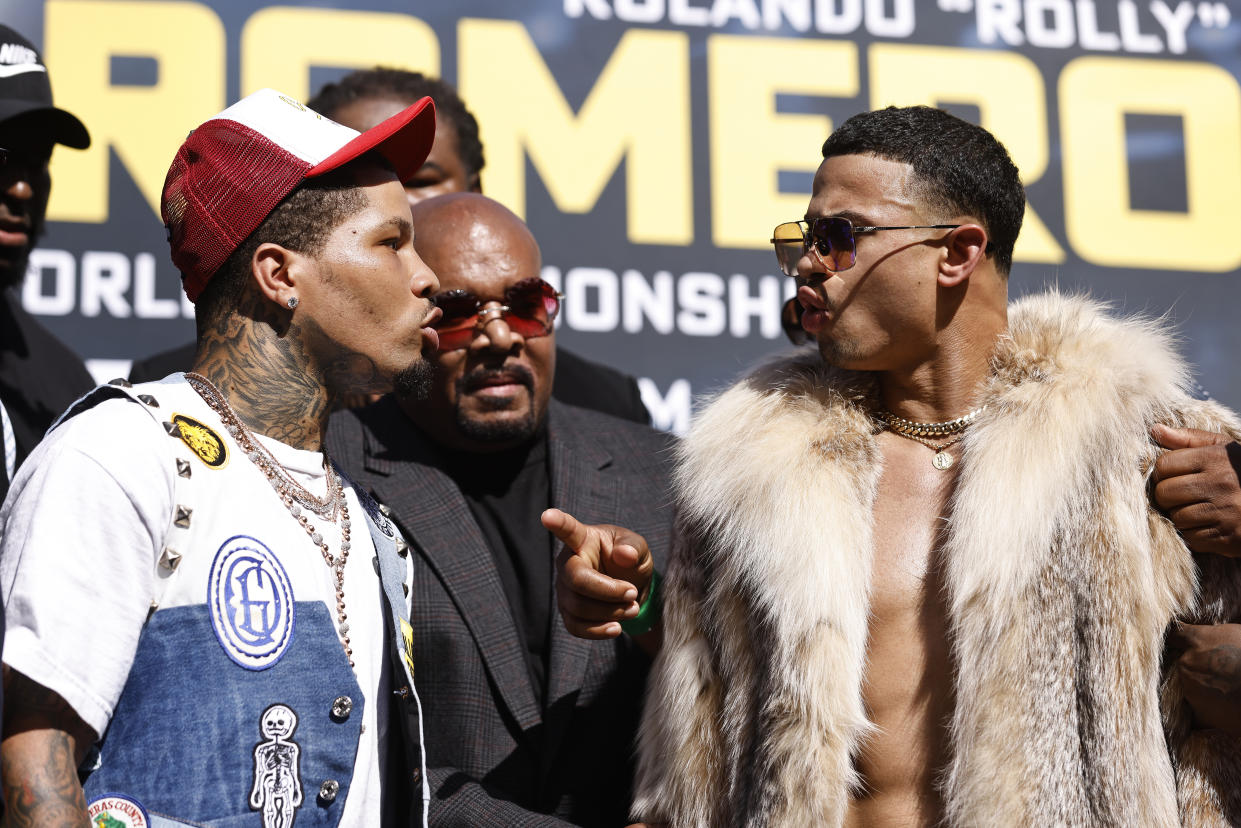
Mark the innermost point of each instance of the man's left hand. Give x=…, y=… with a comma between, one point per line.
x=1208, y=659
x=1198, y=485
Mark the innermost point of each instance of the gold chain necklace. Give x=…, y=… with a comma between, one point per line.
x=928, y=433
x=288, y=490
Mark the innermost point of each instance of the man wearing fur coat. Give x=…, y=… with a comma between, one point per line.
x=920, y=579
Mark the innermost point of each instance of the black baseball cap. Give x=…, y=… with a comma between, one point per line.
x=25, y=91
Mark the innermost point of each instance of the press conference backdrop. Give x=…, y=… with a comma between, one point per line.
x=653, y=144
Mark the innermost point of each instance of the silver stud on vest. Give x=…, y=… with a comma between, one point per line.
x=342, y=706
x=149, y=400
x=121, y=382
x=328, y=790
x=402, y=548
x=171, y=559
x=182, y=516
x=183, y=468
x=173, y=429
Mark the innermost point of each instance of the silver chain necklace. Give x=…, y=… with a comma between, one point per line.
x=927, y=433
x=292, y=494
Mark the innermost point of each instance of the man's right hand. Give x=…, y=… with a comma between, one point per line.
x=603, y=573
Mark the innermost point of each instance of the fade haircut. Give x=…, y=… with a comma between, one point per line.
x=382, y=82
x=302, y=222
x=960, y=168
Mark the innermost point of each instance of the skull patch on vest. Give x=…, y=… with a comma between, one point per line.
x=277, y=790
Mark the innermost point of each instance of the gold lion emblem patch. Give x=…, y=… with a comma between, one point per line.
x=203, y=441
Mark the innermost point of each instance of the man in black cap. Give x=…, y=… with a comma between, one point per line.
x=39, y=376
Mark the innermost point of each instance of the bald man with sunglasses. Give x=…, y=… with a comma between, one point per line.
x=921, y=575
x=525, y=724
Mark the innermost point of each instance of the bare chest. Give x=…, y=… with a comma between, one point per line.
x=907, y=683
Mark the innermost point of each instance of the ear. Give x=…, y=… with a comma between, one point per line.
x=964, y=249
x=276, y=271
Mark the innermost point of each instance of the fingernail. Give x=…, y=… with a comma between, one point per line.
x=632, y=610
x=630, y=595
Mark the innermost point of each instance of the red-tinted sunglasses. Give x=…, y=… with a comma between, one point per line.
x=528, y=307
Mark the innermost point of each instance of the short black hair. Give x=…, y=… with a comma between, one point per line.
x=302, y=222
x=962, y=168
x=382, y=82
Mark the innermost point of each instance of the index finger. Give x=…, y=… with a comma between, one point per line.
x=592, y=584
x=1178, y=462
x=565, y=527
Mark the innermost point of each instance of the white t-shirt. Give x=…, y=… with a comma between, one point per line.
x=81, y=533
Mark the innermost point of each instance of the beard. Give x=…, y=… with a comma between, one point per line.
x=486, y=429
x=414, y=381
x=840, y=353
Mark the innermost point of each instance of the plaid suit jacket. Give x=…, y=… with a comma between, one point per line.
x=494, y=756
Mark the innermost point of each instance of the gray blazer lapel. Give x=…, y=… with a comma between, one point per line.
x=438, y=524
x=582, y=487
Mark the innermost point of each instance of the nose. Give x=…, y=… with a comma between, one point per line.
x=17, y=185
x=494, y=331
x=21, y=171
x=811, y=269
x=423, y=282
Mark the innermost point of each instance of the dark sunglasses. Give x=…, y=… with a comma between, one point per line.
x=528, y=307
x=834, y=239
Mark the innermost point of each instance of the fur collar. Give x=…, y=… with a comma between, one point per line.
x=1060, y=580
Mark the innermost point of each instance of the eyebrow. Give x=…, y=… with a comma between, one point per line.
x=851, y=215
x=396, y=223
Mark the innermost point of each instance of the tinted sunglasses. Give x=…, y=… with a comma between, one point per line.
x=528, y=307
x=834, y=240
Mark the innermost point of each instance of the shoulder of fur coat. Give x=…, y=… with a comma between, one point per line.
x=1054, y=556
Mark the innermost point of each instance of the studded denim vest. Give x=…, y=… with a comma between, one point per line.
x=240, y=707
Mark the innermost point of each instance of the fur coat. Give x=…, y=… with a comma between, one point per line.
x=1061, y=581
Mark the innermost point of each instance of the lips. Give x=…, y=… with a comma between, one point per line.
x=431, y=339
x=497, y=380
x=430, y=336
x=14, y=233
x=816, y=311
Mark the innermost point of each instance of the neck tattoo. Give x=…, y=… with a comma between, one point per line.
x=292, y=494
x=930, y=434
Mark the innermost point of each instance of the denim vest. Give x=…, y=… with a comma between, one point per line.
x=240, y=707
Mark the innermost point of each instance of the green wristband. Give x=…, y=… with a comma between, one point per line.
x=650, y=611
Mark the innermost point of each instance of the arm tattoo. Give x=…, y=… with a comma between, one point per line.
x=41, y=784
x=40, y=773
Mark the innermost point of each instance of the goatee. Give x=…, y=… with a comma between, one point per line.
x=414, y=382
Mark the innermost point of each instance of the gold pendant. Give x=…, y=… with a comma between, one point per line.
x=942, y=460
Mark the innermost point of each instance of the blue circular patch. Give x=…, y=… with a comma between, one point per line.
x=251, y=603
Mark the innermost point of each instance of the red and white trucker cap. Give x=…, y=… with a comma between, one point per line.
x=237, y=167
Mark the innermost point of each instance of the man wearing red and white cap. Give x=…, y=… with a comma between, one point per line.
x=192, y=588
